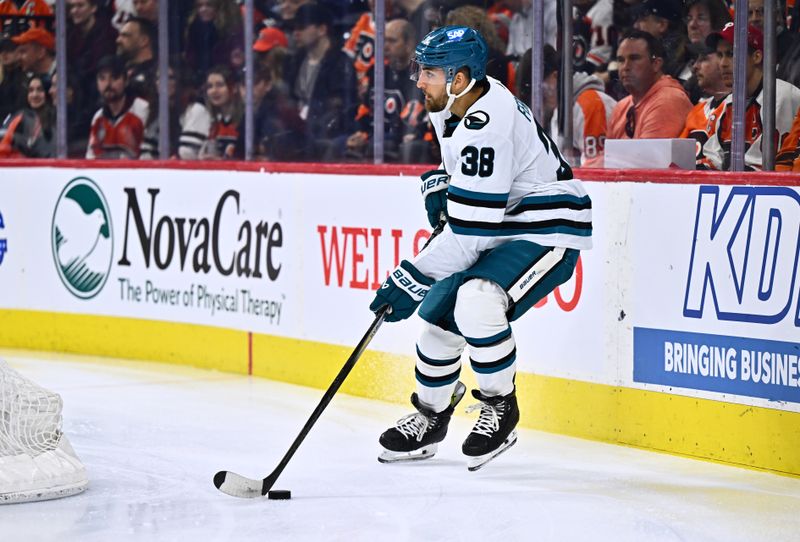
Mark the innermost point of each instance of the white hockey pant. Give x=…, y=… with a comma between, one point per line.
x=480, y=313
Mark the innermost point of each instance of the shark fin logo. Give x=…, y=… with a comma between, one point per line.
x=82, y=238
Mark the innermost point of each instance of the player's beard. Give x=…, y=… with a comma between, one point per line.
x=435, y=104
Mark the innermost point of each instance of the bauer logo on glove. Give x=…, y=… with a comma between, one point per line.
x=403, y=291
x=433, y=187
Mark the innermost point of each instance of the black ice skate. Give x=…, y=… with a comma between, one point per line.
x=494, y=432
x=417, y=435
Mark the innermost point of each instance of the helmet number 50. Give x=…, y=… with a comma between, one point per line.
x=477, y=162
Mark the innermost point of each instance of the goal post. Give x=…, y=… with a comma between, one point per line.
x=37, y=461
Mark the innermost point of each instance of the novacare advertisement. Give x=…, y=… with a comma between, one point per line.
x=129, y=243
x=725, y=315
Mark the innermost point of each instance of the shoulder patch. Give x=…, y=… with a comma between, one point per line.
x=476, y=120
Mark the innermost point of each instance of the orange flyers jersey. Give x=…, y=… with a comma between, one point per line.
x=592, y=113
x=118, y=137
x=788, y=158
x=360, y=46
x=717, y=149
x=701, y=123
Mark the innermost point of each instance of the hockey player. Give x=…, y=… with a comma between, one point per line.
x=516, y=220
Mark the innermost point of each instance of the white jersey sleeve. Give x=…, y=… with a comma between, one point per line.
x=508, y=181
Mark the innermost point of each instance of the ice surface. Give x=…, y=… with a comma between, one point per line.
x=152, y=436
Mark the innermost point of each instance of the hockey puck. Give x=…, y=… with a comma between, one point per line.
x=279, y=494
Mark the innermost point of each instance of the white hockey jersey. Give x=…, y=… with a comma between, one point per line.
x=508, y=181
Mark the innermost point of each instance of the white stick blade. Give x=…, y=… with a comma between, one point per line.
x=238, y=486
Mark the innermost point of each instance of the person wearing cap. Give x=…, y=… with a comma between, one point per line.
x=117, y=129
x=664, y=20
x=322, y=81
x=12, y=78
x=703, y=116
x=717, y=149
x=269, y=38
x=657, y=105
x=36, y=49
x=270, y=51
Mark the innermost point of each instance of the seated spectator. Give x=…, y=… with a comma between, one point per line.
x=788, y=158
x=189, y=120
x=717, y=149
x=146, y=9
x=704, y=17
x=591, y=112
x=12, y=79
x=360, y=46
x=664, y=20
x=599, y=42
x=136, y=44
x=475, y=17
x=520, y=28
x=89, y=38
x=322, y=82
x=270, y=51
x=278, y=129
x=36, y=49
x=77, y=124
x=214, y=36
x=787, y=55
x=117, y=129
x=224, y=102
x=287, y=10
x=402, y=107
x=657, y=106
x=702, y=118
x=31, y=132
x=122, y=11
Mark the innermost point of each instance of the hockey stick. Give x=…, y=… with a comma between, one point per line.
x=240, y=486
x=237, y=485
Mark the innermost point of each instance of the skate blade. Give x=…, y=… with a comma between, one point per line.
x=426, y=452
x=477, y=462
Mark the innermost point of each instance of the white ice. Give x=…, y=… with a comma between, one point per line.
x=153, y=435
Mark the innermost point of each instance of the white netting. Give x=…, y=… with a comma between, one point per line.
x=30, y=416
x=36, y=460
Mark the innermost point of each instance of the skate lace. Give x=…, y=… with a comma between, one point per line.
x=413, y=425
x=488, y=421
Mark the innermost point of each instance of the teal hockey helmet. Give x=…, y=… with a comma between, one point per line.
x=452, y=48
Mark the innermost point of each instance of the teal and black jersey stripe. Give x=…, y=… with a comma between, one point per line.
x=477, y=199
x=549, y=203
x=539, y=227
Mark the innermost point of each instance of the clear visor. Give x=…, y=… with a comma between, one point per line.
x=429, y=76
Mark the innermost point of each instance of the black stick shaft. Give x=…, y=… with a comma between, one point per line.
x=326, y=399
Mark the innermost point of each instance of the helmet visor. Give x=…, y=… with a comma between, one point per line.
x=428, y=75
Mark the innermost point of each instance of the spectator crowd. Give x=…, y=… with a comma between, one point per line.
x=641, y=69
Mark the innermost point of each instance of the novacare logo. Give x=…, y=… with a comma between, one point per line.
x=82, y=238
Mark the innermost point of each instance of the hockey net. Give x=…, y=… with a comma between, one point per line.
x=36, y=459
